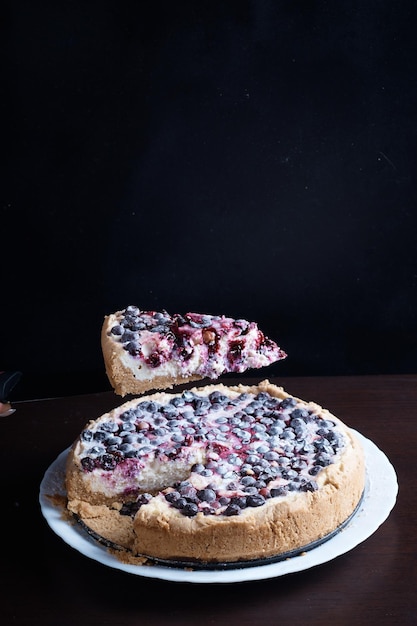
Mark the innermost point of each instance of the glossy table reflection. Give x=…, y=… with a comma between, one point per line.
x=45, y=581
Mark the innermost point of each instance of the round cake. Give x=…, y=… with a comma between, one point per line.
x=216, y=474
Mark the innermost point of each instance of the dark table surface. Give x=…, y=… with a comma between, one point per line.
x=45, y=581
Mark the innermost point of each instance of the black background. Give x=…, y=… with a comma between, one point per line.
x=252, y=159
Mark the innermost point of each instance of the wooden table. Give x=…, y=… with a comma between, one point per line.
x=45, y=581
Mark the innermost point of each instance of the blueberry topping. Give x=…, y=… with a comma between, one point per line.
x=206, y=495
x=232, y=509
x=287, y=402
x=88, y=463
x=172, y=496
x=107, y=462
x=279, y=491
x=255, y=500
x=189, y=509
x=257, y=446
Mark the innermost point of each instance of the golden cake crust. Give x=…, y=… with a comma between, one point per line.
x=282, y=524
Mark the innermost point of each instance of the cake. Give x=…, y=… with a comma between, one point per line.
x=150, y=350
x=215, y=474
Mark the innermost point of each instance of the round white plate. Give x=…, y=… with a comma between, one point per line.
x=379, y=498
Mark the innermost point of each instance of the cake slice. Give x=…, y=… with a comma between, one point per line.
x=146, y=350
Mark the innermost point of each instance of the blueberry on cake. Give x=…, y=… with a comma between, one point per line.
x=215, y=474
x=149, y=350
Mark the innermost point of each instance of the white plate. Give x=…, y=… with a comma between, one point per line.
x=379, y=498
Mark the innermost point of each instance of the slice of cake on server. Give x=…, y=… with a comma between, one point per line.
x=145, y=350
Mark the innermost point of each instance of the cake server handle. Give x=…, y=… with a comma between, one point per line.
x=8, y=380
